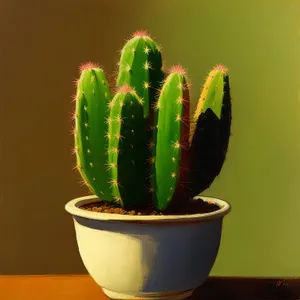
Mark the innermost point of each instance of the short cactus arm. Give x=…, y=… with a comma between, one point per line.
x=128, y=149
x=93, y=96
x=210, y=130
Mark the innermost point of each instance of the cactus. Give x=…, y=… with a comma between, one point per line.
x=139, y=148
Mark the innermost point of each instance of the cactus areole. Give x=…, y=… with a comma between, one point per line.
x=139, y=147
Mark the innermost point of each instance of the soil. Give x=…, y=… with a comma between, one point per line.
x=192, y=207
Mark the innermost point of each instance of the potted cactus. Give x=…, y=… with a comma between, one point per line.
x=145, y=233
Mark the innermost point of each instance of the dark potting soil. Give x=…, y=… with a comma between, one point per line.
x=191, y=207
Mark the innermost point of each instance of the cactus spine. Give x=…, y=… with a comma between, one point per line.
x=139, y=147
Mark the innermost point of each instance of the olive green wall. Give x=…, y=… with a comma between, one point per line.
x=42, y=44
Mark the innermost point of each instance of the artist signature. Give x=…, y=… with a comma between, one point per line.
x=285, y=282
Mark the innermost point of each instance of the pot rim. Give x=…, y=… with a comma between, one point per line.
x=73, y=207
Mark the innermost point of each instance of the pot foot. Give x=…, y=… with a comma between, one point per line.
x=148, y=296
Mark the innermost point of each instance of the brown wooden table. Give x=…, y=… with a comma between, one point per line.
x=82, y=287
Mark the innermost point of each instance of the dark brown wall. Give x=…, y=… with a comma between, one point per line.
x=42, y=45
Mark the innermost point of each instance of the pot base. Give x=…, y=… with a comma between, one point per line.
x=151, y=296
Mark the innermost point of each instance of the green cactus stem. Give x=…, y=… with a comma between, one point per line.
x=210, y=130
x=92, y=99
x=127, y=151
x=172, y=130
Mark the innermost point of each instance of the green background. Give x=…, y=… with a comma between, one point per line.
x=259, y=41
x=42, y=44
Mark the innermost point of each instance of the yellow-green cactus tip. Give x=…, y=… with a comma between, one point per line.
x=222, y=68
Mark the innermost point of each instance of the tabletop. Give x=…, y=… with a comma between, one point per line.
x=83, y=287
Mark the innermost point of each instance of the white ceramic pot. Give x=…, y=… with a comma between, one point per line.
x=147, y=257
